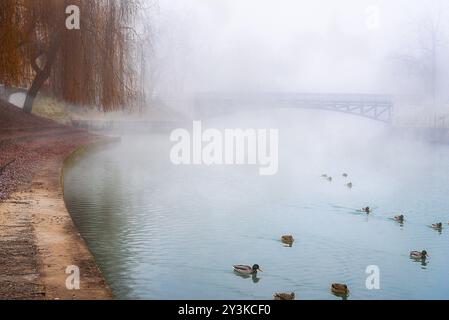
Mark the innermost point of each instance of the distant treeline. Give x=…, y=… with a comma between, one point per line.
x=91, y=66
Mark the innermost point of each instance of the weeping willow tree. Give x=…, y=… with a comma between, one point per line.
x=13, y=67
x=92, y=65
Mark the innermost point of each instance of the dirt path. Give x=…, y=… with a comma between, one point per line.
x=38, y=240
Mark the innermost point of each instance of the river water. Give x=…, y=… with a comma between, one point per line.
x=160, y=231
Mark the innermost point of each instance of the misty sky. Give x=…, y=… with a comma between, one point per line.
x=289, y=45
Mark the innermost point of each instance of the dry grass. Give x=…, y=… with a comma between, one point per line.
x=52, y=109
x=64, y=113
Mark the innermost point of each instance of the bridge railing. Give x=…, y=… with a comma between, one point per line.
x=372, y=106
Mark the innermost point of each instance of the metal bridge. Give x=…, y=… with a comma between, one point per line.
x=210, y=105
x=375, y=107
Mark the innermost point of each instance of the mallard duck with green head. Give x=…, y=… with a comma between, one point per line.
x=244, y=269
x=421, y=255
x=437, y=226
x=367, y=210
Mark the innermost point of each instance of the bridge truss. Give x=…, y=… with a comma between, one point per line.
x=375, y=107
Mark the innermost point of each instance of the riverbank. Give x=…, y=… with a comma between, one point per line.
x=37, y=235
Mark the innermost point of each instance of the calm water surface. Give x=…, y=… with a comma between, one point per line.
x=164, y=232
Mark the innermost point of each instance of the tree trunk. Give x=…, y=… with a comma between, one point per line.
x=38, y=81
x=41, y=74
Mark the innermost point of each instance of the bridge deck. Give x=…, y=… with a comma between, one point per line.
x=376, y=107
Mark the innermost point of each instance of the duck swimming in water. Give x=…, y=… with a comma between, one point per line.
x=243, y=269
x=437, y=226
x=284, y=296
x=399, y=218
x=339, y=289
x=345, y=175
x=329, y=179
x=418, y=255
x=367, y=210
x=349, y=185
x=287, y=239
x=324, y=176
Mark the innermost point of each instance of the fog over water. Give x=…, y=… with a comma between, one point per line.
x=159, y=230
x=162, y=231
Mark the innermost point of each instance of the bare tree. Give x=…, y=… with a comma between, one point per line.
x=422, y=60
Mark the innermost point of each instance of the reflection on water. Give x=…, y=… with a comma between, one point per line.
x=253, y=277
x=164, y=232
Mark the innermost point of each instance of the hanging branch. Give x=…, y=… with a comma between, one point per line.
x=91, y=66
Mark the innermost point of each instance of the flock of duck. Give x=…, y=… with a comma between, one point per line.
x=420, y=255
x=338, y=289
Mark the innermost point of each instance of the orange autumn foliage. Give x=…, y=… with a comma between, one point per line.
x=92, y=66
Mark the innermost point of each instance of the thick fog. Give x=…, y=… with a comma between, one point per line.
x=165, y=219
x=350, y=46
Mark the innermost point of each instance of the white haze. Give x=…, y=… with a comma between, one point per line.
x=322, y=46
x=274, y=46
x=293, y=45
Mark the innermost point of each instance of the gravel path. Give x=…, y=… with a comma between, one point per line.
x=37, y=236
